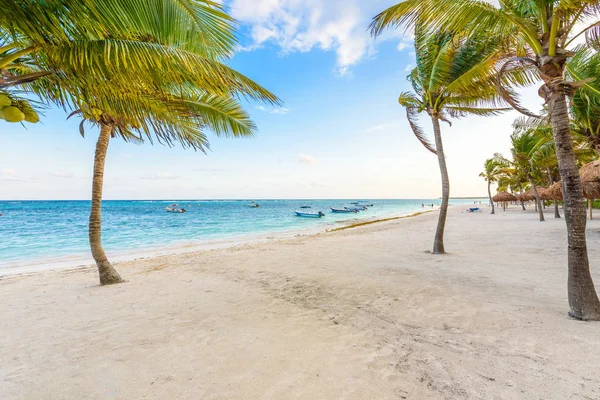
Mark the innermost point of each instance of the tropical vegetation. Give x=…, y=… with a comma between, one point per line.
x=539, y=38
x=452, y=79
x=139, y=71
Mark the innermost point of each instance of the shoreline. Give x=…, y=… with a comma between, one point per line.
x=83, y=261
x=355, y=314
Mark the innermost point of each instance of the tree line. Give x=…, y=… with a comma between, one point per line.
x=473, y=56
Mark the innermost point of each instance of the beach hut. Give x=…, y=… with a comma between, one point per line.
x=556, y=191
x=544, y=193
x=503, y=197
x=590, y=180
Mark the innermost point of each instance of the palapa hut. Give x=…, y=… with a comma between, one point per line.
x=556, y=191
x=503, y=197
x=590, y=180
x=544, y=193
x=527, y=195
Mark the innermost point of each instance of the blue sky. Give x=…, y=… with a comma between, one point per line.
x=339, y=134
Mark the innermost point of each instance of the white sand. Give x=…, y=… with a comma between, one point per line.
x=358, y=314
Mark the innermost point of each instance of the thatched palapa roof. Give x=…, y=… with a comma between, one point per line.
x=544, y=193
x=556, y=191
x=504, y=196
x=590, y=179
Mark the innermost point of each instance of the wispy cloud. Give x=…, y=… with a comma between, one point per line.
x=382, y=127
x=11, y=175
x=306, y=159
x=59, y=173
x=279, y=110
x=160, y=176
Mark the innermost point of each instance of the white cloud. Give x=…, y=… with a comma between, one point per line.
x=280, y=110
x=306, y=159
x=8, y=172
x=301, y=25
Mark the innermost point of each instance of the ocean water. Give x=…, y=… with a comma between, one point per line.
x=38, y=232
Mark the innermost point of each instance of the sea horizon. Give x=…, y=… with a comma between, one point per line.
x=42, y=234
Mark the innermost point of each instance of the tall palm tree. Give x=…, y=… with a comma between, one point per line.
x=452, y=78
x=163, y=79
x=492, y=169
x=540, y=36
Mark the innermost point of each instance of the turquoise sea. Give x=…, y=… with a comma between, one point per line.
x=42, y=232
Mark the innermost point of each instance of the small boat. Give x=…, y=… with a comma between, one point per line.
x=309, y=214
x=253, y=205
x=175, y=210
x=305, y=206
x=356, y=208
x=344, y=210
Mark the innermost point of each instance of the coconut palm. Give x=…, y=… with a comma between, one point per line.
x=540, y=37
x=524, y=147
x=32, y=27
x=159, y=80
x=492, y=169
x=452, y=79
x=585, y=104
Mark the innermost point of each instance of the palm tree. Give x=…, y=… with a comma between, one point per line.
x=524, y=146
x=492, y=168
x=538, y=34
x=452, y=79
x=160, y=80
x=585, y=104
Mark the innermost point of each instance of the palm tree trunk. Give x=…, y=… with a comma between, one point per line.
x=550, y=182
x=522, y=202
x=438, y=243
x=108, y=275
x=538, y=203
x=490, y=195
x=583, y=299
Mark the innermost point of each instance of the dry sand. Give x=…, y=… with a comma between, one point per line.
x=363, y=313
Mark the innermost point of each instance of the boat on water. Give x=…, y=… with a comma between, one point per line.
x=362, y=204
x=305, y=206
x=356, y=208
x=253, y=205
x=344, y=210
x=309, y=214
x=175, y=210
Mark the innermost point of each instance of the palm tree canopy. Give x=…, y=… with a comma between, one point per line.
x=150, y=69
x=585, y=105
x=454, y=77
x=536, y=33
x=493, y=167
x=525, y=22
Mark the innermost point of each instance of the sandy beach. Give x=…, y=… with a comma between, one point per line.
x=363, y=313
